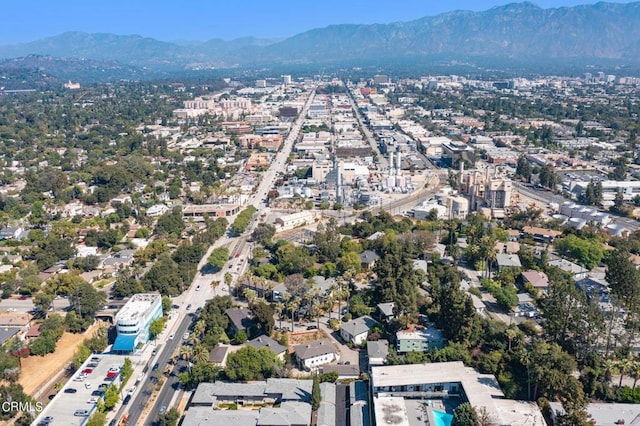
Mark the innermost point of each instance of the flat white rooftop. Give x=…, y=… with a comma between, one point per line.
x=137, y=306
x=391, y=410
x=482, y=390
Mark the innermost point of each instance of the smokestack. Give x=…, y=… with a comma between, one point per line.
x=399, y=161
x=390, y=162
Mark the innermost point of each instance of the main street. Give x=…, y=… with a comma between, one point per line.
x=382, y=161
x=201, y=289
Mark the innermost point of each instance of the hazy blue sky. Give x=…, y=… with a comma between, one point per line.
x=29, y=20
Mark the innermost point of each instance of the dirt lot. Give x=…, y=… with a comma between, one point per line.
x=37, y=370
x=301, y=337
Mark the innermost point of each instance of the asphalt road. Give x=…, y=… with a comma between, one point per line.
x=201, y=289
x=382, y=160
x=140, y=400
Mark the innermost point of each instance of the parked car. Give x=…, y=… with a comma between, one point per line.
x=312, y=327
x=47, y=420
x=87, y=385
x=185, y=336
x=81, y=413
x=163, y=409
x=154, y=352
x=171, y=336
x=155, y=367
x=70, y=390
x=126, y=400
x=188, y=306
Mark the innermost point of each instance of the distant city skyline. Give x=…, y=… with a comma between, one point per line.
x=199, y=20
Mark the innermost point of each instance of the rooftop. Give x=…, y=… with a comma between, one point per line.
x=482, y=390
x=137, y=306
x=313, y=349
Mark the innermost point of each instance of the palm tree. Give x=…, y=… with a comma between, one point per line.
x=186, y=353
x=610, y=367
x=200, y=354
x=635, y=372
x=511, y=332
x=250, y=295
x=624, y=365
x=294, y=303
x=279, y=307
x=198, y=330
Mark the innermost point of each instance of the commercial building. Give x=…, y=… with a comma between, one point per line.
x=410, y=387
x=134, y=319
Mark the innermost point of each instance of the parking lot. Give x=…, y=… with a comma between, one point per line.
x=82, y=391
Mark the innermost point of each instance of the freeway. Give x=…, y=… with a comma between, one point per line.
x=549, y=197
x=201, y=289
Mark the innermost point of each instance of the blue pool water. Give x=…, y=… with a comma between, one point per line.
x=442, y=419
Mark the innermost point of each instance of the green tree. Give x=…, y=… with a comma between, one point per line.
x=264, y=314
x=170, y=418
x=249, y=363
x=464, y=415
x=97, y=419
x=42, y=345
x=111, y=397
x=263, y=233
x=316, y=397
x=219, y=257
x=156, y=326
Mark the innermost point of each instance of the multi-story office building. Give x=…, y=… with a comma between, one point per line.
x=134, y=319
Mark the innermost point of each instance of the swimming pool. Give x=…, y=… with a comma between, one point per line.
x=442, y=418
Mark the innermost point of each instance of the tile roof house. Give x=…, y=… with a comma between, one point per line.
x=356, y=331
x=537, y=279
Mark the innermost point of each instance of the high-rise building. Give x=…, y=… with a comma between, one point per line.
x=286, y=79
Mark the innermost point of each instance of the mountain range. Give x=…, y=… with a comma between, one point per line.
x=520, y=33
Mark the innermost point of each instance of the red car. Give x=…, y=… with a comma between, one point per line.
x=112, y=374
x=87, y=371
x=23, y=297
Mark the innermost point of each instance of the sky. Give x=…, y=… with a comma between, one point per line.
x=200, y=20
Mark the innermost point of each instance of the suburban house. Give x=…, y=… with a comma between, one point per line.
x=508, y=261
x=314, y=354
x=419, y=339
x=377, y=351
x=478, y=304
x=345, y=372
x=537, y=279
x=576, y=271
x=368, y=259
x=10, y=233
x=385, y=311
x=240, y=319
x=267, y=342
x=357, y=330
x=218, y=355
x=541, y=234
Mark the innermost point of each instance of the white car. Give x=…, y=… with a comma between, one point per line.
x=131, y=390
x=171, y=336
x=92, y=400
x=185, y=336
